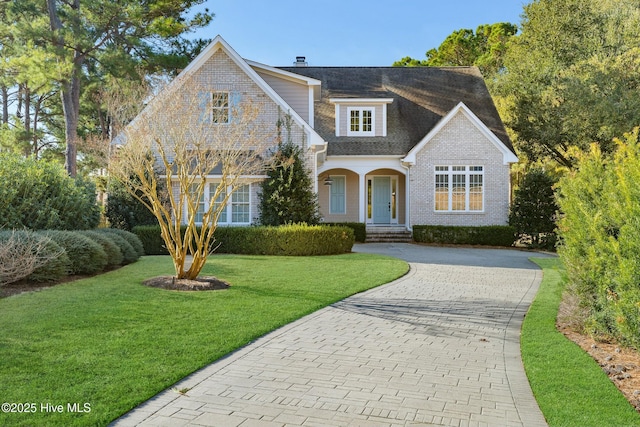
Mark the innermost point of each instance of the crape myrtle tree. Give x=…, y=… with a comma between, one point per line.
x=184, y=135
x=287, y=194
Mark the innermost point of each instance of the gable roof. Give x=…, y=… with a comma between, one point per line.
x=422, y=97
x=507, y=154
x=218, y=43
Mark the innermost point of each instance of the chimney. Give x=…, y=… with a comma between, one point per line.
x=301, y=61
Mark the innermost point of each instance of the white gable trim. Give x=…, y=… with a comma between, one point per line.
x=507, y=154
x=219, y=43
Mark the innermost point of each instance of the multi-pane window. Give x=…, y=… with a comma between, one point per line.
x=236, y=211
x=201, y=204
x=459, y=188
x=220, y=107
x=240, y=203
x=360, y=121
x=337, y=199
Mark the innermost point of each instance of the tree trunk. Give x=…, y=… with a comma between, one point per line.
x=5, y=104
x=70, y=91
x=70, y=109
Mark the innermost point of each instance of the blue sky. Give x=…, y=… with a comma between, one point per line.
x=348, y=32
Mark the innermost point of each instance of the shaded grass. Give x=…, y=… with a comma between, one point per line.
x=112, y=343
x=570, y=387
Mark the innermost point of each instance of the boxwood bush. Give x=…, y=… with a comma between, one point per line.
x=129, y=254
x=359, y=229
x=295, y=239
x=86, y=256
x=493, y=235
x=130, y=237
x=114, y=254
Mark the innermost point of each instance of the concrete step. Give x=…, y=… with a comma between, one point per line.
x=388, y=234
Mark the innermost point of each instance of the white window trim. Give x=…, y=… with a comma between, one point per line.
x=331, y=212
x=213, y=108
x=229, y=208
x=450, y=172
x=372, y=132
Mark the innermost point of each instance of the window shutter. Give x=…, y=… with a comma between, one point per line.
x=235, y=99
x=204, y=105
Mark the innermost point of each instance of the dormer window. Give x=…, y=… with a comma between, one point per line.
x=361, y=116
x=360, y=121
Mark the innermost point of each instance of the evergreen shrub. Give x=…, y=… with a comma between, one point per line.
x=114, y=254
x=293, y=239
x=86, y=256
x=492, y=235
x=130, y=237
x=39, y=195
x=359, y=229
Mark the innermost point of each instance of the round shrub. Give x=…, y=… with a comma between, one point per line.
x=55, y=269
x=129, y=254
x=128, y=236
x=36, y=257
x=114, y=254
x=87, y=256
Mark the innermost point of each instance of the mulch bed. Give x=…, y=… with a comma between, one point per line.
x=205, y=283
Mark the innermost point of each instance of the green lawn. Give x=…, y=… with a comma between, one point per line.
x=570, y=387
x=112, y=343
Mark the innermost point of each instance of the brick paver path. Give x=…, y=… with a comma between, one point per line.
x=440, y=346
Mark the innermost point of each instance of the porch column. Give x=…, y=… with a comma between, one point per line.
x=362, y=184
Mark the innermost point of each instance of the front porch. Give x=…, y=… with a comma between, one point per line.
x=376, y=197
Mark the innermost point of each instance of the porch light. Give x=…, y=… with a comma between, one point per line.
x=328, y=181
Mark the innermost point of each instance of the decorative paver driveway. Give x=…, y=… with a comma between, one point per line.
x=439, y=346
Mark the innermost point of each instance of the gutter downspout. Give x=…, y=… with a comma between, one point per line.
x=315, y=165
x=407, y=185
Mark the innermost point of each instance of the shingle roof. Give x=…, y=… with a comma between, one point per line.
x=421, y=97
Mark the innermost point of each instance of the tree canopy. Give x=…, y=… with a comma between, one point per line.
x=483, y=48
x=54, y=56
x=570, y=77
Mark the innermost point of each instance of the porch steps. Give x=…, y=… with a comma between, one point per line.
x=388, y=235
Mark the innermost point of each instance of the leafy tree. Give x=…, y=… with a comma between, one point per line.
x=534, y=209
x=40, y=195
x=483, y=48
x=569, y=75
x=287, y=195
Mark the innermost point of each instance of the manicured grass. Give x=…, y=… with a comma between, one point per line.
x=570, y=387
x=112, y=343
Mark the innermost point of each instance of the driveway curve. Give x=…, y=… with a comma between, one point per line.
x=439, y=346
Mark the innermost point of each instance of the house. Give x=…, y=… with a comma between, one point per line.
x=387, y=146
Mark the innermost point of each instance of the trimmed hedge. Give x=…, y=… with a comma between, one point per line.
x=492, y=235
x=293, y=240
x=359, y=229
x=86, y=256
x=114, y=254
x=133, y=240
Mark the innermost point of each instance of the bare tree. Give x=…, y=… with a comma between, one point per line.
x=191, y=137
